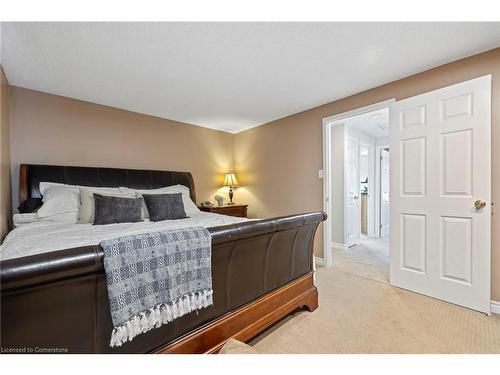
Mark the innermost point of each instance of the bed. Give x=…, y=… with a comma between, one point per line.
x=54, y=298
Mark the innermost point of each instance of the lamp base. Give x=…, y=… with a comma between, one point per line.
x=231, y=203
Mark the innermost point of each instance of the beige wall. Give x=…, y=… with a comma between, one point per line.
x=57, y=130
x=5, y=203
x=279, y=161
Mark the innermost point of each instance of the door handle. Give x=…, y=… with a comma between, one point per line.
x=479, y=204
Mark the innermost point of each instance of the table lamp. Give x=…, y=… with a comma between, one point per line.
x=231, y=182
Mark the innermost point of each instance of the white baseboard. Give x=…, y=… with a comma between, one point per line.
x=320, y=262
x=495, y=307
x=339, y=245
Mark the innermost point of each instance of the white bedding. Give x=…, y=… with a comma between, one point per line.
x=41, y=237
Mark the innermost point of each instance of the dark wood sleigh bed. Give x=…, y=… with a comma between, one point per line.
x=57, y=302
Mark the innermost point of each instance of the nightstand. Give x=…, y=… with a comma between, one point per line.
x=238, y=210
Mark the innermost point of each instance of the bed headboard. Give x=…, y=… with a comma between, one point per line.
x=30, y=176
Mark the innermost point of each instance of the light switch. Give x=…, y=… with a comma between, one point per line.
x=320, y=173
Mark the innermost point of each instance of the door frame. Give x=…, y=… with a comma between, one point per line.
x=378, y=190
x=328, y=123
x=348, y=138
x=370, y=232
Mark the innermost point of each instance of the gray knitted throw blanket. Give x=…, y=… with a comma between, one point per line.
x=154, y=278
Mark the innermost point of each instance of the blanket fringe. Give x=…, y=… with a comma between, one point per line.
x=159, y=315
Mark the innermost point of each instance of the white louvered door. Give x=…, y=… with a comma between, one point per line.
x=440, y=168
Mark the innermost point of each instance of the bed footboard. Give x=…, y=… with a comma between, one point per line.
x=262, y=270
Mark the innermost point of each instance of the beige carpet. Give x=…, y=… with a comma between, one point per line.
x=369, y=258
x=362, y=315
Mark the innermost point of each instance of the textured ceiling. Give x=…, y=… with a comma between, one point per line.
x=228, y=76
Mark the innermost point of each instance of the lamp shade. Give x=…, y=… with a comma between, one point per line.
x=230, y=180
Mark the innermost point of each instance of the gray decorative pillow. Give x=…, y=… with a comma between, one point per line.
x=165, y=206
x=111, y=210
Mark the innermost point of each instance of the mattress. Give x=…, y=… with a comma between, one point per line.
x=42, y=237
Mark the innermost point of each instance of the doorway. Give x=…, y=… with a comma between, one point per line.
x=360, y=188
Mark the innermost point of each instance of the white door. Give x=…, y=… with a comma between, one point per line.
x=384, y=193
x=353, y=203
x=440, y=170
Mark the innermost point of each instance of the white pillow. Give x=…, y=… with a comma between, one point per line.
x=47, y=185
x=189, y=206
x=18, y=219
x=58, y=199
x=87, y=201
x=28, y=218
x=61, y=198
